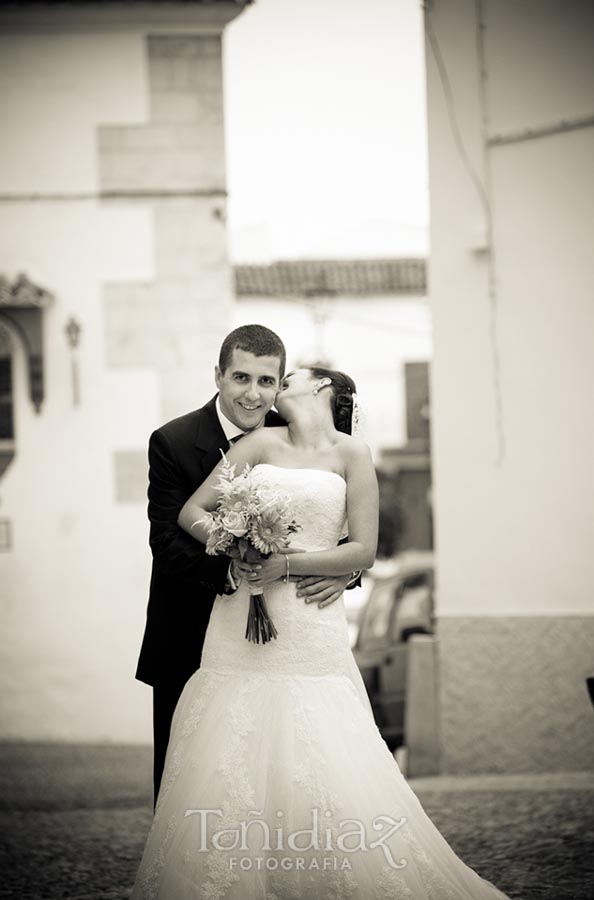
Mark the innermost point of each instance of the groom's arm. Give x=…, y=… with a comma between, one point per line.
x=175, y=552
x=325, y=591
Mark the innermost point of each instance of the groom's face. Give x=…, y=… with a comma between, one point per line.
x=248, y=388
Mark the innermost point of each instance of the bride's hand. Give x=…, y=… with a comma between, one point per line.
x=267, y=570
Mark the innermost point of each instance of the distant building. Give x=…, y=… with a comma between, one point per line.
x=368, y=317
x=408, y=466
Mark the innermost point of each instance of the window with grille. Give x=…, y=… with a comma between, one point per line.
x=6, y=400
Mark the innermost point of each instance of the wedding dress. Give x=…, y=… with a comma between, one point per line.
x=277, y=783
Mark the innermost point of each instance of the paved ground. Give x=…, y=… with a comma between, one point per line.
x=74, y=820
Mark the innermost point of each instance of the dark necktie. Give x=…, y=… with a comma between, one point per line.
x=237, y=437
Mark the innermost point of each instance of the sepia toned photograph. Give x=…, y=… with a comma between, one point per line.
x=296, y=450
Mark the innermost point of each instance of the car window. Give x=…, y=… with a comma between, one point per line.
x=376, y=618
x=419, y=579
x=414, y=605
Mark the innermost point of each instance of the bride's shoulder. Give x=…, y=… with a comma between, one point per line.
x=353, y=449
x=273, y=434
x=266, y=432
x=255, y=447
x=265, y=437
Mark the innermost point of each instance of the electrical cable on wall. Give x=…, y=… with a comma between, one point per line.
x=491, y=267
x=483, y=191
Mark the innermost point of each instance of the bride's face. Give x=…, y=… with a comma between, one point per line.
x=295, y=386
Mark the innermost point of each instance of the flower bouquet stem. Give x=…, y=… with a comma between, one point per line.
x=260, y=627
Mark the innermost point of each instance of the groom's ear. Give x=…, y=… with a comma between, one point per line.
x=218, y=376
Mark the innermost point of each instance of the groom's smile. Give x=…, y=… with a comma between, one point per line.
x=249, y=408
x=248, y=388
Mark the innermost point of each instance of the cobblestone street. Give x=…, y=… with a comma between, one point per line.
x=74, y=820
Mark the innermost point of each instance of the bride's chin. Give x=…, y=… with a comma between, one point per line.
x=280, y=406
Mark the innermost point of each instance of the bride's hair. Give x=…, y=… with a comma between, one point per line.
x=342, y=389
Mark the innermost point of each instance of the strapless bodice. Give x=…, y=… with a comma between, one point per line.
x=317, y=499
x=311, y=641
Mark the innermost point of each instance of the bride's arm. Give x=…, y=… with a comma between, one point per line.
x=247, y=450
x=362, y=513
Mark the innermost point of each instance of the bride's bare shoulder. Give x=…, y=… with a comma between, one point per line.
x=278, y=432
x=348, y=443
x=353, y=450
x=262, y=438
x=255, y=447
x=273, y=434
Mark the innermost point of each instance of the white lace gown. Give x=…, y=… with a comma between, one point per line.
x=277, y=783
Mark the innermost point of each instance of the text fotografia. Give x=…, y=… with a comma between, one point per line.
x=286, y=863
x=352, y=838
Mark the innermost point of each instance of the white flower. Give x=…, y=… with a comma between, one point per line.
x=234, y=522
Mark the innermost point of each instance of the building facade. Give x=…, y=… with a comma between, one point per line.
x=112, y=205
x=511, y=149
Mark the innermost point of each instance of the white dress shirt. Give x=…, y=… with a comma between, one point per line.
x=230, y=429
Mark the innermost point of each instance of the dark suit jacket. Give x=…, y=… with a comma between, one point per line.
x=184, y=579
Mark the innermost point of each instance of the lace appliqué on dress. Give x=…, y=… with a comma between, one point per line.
x=286, y=730
x=239, y=796
x=150, y=881
x=311, y=774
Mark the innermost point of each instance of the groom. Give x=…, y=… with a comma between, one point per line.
x=185, y=580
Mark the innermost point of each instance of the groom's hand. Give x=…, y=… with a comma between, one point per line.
x=241, y=569
x=322, y=591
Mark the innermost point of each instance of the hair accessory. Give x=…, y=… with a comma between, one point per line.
x=356, y=419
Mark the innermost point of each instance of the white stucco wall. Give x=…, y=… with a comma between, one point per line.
x=74, y=586
x=56, y=89
x=513, y=436
x=514, y=534
x=74, y=583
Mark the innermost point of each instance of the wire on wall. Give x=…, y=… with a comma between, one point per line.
x=491, y=261
x=483, y=190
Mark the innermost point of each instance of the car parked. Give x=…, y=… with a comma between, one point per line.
x=399, y=605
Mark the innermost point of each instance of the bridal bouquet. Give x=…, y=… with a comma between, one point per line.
x=251, y=521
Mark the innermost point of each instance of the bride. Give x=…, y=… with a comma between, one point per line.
x=277, y=783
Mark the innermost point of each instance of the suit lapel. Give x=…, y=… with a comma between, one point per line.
x=210, y=438
x=273, y=419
